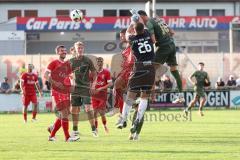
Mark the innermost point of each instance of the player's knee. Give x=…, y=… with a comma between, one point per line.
x=75, y=110
x=129, y=101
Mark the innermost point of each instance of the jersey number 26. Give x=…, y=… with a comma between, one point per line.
x=144, y=47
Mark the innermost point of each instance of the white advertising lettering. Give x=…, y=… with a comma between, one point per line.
x=177, y=22
x=203, y=23
x=54, y=23
x=122, y=23
x=35, y=25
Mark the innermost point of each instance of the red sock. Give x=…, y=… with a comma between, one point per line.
x=119, y=99
x=25, y=116
x=56, y=126
x=120, y=104
x=34, y=114
x=65, y=126
x=96, y=123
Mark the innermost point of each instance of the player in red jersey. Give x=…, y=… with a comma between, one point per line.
x=99, y=99
x=122, y=78
x=28, y=82
x=57, y=74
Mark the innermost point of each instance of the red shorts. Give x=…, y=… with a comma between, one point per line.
x=125, y=74
x=62, y=101
x=26, y=99
x=99, y=103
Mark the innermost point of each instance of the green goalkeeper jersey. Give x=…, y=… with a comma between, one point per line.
x=161, y=31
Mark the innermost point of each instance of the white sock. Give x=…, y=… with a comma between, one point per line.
x=127, y=106
x=142, y=108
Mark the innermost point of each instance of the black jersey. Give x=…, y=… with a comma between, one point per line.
x=142, y=47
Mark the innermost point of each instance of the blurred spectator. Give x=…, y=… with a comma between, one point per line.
x=5, y=87
x=220, y=83
x=231, y=81
x=48, y=85
x=16, y=88
x=40, y=82
x=167, y=83
x=238, y=82
x=22, y=69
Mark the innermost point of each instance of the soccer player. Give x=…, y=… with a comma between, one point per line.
x=82, y=66
x=199, y=79
x=99, y=99
x=165, y=52
x=143, y=76
x=122, y=79
x=28, y=82
x=57, y=74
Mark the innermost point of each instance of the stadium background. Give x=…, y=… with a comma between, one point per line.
x=30, y=30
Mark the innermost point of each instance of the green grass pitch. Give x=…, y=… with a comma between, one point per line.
x=216, y=136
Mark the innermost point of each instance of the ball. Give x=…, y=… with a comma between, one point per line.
x=76, y=15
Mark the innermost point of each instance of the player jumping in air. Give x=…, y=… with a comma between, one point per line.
x=199, y=79
x=143, y=76
x=121, y=82
x=99, y=99
x=28, y=82
x=82, y=66
x=165, y=52
x=57, y=74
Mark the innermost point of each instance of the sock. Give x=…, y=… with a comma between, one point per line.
x=93, y=128
x=177, y=77
x=139, y=127
x=75, y=128
x=134, y=116
x=25, y=116
x=34, y=114
x=119, y=99
x=142, y=108
x=65, y=126
x=96, y=123
x=127, y=106
x=56, y=126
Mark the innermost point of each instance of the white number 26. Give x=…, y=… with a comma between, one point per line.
x=144, y=47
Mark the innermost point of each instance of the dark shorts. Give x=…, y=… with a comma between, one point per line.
x=142, y=78
x=166, y=54
x=199, y=93
x=80, y=96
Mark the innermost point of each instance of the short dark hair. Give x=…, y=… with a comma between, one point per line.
x=123, y=30
x=201, y=63
x=142, y=13
x=99, y=59
x=139, y=27
x=57, y=48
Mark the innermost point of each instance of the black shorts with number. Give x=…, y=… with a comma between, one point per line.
x=142, y=78
x=166, y=54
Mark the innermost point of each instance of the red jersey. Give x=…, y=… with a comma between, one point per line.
x=99, y=99
x=60, y=72
x=128, y=59
x=103, y=78
x=29, y=80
